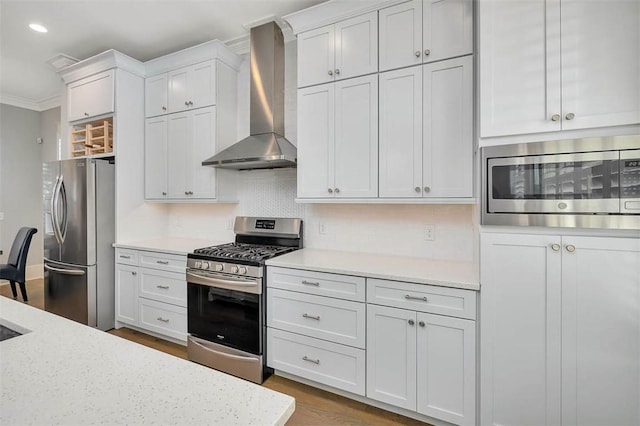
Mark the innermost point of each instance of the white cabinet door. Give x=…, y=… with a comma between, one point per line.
x=316, y=56
x=600, y=331
x=178, y=84
x=400, y=35
x=519, y=67
x=401, y=133
x=356, y=137
x=202, y=84
x=447, y=29
x=446, y=368
x=155, y=95
x=179, y=139
x=91, y=96
x=155, y=158
x=520, y=329
x=201, y=181
x=391, y=356
x=448, y=128
x=600, y=63
x=316, y=106
x=126, y=293
x=356, y=46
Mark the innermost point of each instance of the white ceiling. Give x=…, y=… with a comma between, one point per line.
x=142, y=29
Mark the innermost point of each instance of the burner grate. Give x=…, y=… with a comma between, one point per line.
x=253, y=252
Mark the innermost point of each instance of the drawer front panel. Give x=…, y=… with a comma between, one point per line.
x=163, y=318
x=127, y=256
x=342, y=367
x=167, y=262
x=338, y=321
x=163, y=286
x=320, y=283
x=423, y=298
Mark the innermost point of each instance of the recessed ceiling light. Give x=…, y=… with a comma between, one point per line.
x=37, y=27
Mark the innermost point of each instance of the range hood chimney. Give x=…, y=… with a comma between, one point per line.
x=266, y=147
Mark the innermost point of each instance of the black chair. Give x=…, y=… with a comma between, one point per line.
x=15, y=270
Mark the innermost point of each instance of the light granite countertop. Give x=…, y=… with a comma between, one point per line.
x=170, y=245
x=63, y=372
x=398, y=268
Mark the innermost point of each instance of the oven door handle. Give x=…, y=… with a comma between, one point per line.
x=211, y=281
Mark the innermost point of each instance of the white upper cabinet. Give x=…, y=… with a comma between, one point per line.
x=155, y=95
x=544, y=64
x=426, y=131
x=91, y=96
x=346, y=49
x=155, y=158
x=338, y=123
x=425, y=31
x=192, y=87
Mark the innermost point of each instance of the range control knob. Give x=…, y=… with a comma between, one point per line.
x=205, y=265
x=198, y=264
x=219, y=267
x=234, y=269
x=242, y=270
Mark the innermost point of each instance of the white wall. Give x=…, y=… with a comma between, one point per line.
x=51, y=134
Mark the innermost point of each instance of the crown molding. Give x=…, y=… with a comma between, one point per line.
x=39, y=106
x=214, y=49
x=102, y=62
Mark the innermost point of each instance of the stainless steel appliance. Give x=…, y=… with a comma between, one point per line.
x=79, y=224
x=225, y=296
x=586, y=183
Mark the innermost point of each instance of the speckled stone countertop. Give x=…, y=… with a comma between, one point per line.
x=62, y=372
x=398, y=268
x=171, y=245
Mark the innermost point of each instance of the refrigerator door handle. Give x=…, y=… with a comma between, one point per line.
x=65, y=271
x=63, y=225
x=54, y=211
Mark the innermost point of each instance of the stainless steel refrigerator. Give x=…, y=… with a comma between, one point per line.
x=79, y=225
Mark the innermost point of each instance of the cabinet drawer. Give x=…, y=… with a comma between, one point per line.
x=423, y=298
x=126, y=256
x=163, y=286
x=164, y=261
x=163, y=318
x=320, y=283
x=339, y=321
x=342, y=367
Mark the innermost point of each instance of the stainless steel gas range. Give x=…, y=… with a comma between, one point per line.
x=225, y=296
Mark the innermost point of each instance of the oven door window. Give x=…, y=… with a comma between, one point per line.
x=231, y=318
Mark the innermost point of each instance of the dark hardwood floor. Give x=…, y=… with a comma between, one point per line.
x=313, y=406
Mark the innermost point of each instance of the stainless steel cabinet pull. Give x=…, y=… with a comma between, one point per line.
x=317, y=318
x=163, y=286
x=427, y=189
x=122, y=256
x=427, y=52
x=162, y=262
x=409, y=297
x=330, y=190
x=570, y=248
x=555, y=117
x=337, y=71
x=417, y=53
x=570, y=116
x=417, y=188
x=164, y=108
x=317, y=284
x=186, y=103
x=164, y=193
x=163, y=319
x=337, y=190
x=421, y=324
x=134, y=273
x=330, y=72
x=315, y=361
x=411, y=322
x=555, y=247
x=86, y=114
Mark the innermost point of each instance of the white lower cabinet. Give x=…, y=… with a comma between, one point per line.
x=150, y=292
x=560, y=330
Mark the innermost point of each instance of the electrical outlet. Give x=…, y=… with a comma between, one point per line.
x=322, y=228
x=429, y=232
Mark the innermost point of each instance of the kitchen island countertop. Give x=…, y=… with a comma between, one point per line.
x=63, y=372
x=443, y=273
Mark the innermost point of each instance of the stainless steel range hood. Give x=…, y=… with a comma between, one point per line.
x=266, y=147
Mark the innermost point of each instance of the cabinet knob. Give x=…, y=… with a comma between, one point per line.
x=555, y=247
x=337, y=190
x=164, y=193
x=330, y=72
x=164, y=108
x=570, y=248
x=191, y=103
x=421, y=324
x=570, y=116
x=427, y=52
x=427, y=189
x=134, y=273
x=337, y=71
x=86, y=114
x=411, y=322
x=417, y=189
x=330, y=191
x=555, y=117
x=186, y=103
x=417, y=53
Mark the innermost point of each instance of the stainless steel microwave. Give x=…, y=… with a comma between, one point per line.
x=583, y=183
